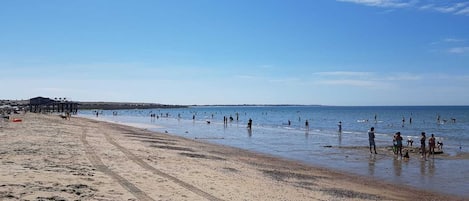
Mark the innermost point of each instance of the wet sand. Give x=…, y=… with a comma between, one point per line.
x=414, y=152
x=47, y=158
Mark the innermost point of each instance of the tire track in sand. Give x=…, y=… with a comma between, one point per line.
x=99, y=165
x=148, y=167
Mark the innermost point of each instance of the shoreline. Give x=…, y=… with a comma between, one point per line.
x=178, y=168
x=347, y=152
x=82, y=105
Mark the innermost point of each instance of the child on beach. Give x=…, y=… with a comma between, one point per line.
x=410, y=141
x=440, y=145
x=406, y=155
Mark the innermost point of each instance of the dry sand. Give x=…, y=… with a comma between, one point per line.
x=48, y=158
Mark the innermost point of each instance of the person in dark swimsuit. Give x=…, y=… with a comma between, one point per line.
x=422, y=146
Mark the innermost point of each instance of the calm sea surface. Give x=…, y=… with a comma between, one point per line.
x=322, y=144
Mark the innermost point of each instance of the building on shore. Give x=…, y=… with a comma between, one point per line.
x=44, y=105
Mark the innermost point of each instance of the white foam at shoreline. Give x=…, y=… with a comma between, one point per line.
x=136, y=125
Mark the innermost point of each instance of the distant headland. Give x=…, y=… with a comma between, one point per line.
x=123, y=105
x=42, y=104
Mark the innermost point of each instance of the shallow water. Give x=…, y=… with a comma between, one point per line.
x=271, y=134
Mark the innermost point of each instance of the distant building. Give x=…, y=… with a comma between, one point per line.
x=41, y=104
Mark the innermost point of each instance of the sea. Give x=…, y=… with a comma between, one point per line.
x=282, y=131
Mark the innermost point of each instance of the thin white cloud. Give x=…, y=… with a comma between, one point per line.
x=453, y=40
x=455, y=8
x=448, y=41
x=382, y=3
x=369, y=75
x=458, y=50
x=427, y=7
x=404, y=77
x=464, y=11
x=460, y=8
x=346, y=82
x=451, y=46
x=364, y=79
x=343, y=73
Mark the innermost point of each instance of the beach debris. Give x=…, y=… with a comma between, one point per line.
x=201, y=156
x=209, y=138
x=344, y=193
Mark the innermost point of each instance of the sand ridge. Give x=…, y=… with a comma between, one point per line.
x=47, y=158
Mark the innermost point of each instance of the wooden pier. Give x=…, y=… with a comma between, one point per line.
x=47, y=105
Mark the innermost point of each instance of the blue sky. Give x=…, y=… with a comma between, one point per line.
x=330, y=52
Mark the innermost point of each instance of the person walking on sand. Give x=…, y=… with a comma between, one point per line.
x=422, y=146
x=371, y=139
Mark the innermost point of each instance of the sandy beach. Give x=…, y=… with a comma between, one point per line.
x=45, y=157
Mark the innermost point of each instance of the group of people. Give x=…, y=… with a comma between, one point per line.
x=431, y=145
x=397, y=144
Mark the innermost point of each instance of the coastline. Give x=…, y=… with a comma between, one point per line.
x=47, y=157
x=82, y=105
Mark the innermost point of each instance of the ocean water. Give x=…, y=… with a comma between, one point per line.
x=321, y=143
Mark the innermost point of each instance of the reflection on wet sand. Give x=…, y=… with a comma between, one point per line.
x=427, y=168
x=340, y=138
x=371, y=164
x=431, y=168
x=422, y=169
x=397, y=164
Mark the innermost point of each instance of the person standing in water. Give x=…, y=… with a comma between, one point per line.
x=431, y=146
x=250, y=124
x=399, y=143
x=371, y=139
x=340, y=126
x=422, y=146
